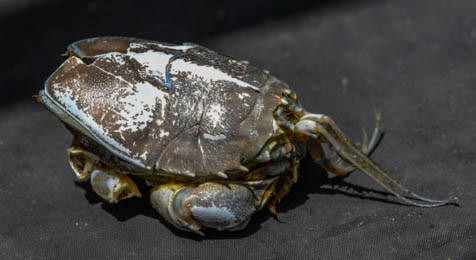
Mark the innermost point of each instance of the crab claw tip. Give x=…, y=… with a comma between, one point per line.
x=222, y=174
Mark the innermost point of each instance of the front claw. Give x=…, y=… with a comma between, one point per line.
x=210, y=205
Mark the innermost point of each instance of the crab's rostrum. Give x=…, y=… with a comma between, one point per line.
x=216, y=138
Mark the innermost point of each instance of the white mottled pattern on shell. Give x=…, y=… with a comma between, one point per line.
x=206, y=73
x=155, y=62
x=152, y=94
x=215, y=113
x=134, y=106
x=113, y=56
x=139, y=105
x=66, y=98
x=182, y=47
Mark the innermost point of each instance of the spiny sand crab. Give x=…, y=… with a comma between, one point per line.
x=217, y=138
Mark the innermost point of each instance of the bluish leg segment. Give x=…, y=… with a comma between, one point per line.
x=217, y=205
x=211, y=205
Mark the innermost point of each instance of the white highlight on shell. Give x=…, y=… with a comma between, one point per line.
x=163, y=133
x=155, y=62
x=138, y=107
x=206, y=73
x=214, y=137
x=215, y=113
x=242, y=95
x=134, y=117
x=182, y=47
x=114, y=56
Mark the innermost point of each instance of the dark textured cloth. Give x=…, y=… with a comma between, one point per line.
x=414, y=61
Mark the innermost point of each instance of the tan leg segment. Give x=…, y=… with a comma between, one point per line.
x=81, y=161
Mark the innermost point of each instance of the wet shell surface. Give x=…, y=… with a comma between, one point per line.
x=174, y=109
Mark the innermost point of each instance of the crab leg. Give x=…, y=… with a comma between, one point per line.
x=219, y=205
x=191, y=207
x=313, y=124
x=81, y=161
x=112, y=186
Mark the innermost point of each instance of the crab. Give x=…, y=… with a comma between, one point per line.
x=216, y=138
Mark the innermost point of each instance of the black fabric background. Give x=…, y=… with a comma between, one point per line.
x=415, y=61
